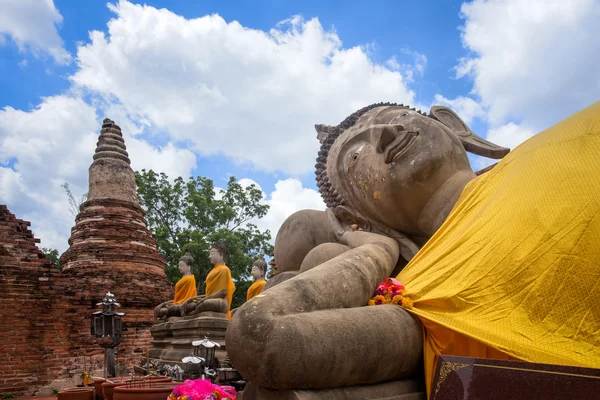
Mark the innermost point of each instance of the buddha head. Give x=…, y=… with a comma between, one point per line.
x=384, y=163
x=218, y=252
x=259, y=269
x=185, y=263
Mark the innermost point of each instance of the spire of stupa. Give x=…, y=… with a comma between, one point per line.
x=110, y=239
x=111, y=175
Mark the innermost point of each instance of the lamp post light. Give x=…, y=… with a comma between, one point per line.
x=191, y=361
x=205, y=349
x=106, y=326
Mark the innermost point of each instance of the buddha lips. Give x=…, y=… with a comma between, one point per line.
x=390, y=291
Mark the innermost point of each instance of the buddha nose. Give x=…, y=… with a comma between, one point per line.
x=385, y=135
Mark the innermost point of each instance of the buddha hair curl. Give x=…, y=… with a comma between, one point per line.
x=327, y=136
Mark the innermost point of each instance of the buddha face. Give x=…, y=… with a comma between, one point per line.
x=391, y=162
x=184, y=268
x=257, y=272
x=215, y=256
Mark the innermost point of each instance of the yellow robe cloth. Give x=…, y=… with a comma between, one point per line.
x=255, y=289
x=514, y=272
x=185, y=289
x=219, y=278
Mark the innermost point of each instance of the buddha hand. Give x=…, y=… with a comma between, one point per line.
x=160, y=311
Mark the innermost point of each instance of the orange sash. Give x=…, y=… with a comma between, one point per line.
x=255, y=289
x=185, y=289
x=219, y=278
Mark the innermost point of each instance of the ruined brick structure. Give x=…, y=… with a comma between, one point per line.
x=45, y=313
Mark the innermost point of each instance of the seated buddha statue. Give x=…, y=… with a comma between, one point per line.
x=259, y=269
x=219, y=286
x=185, y=289
x=501, y=265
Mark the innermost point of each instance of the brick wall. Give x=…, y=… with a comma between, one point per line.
x=45, y=314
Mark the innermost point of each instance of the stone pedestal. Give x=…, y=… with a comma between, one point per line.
x=172, y=340
x=409, y=389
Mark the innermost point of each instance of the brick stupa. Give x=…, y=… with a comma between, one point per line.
x=45, y=313
x=111, y=248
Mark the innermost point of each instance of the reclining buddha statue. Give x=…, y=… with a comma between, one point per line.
x=501, y=265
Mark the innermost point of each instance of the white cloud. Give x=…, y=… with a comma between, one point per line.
x=220, y=86
x=288, y=197
x=510, y=135
x=54, y=144
x=417, y=68
x=233, y=90
x=534, y=61
x=32, y=25
x=467, y=108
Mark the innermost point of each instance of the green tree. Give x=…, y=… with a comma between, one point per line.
x=191, y=215
x=52, y=254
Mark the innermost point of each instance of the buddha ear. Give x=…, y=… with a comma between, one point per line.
x=471, y=142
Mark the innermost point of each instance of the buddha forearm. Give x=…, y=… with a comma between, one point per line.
x=325, y=349
x=272, y=335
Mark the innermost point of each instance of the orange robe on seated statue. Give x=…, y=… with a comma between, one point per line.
x=185, y=289
x=255, y=289
x=219, y=278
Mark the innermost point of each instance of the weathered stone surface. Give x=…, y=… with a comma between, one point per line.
x=389, y=176
x=280, y=277
x=110, y=174
x=291, y=248
x=172, y=340
x=289, y=344
x=322, y=253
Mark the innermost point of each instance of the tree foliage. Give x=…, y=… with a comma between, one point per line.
x=52, y=254
x=191, y=215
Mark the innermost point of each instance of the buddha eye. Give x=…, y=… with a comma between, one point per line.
x=355, y=156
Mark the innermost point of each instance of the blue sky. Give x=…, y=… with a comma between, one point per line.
x=392, y=30
x=211, y=96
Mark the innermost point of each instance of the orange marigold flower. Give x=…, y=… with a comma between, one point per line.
x=397, y=299
x=379, y=299
x=407, y=303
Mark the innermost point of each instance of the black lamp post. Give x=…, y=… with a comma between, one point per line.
x=106, y=326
